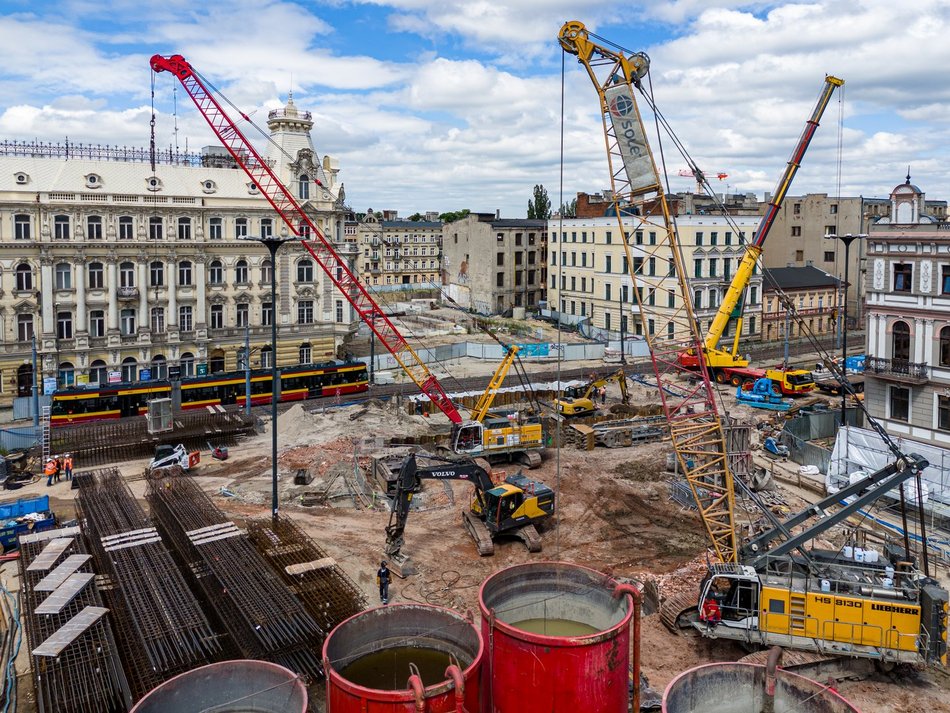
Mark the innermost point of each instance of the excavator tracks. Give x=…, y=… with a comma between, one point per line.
x=679, y=612
x=480, y=534
x=530, y=536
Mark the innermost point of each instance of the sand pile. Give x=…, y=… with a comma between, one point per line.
x=298, y=427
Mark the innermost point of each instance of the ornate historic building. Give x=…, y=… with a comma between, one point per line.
x=123, y=272
x=398, y=252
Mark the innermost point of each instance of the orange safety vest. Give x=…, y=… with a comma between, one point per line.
x=68, y=463
x=50, y=468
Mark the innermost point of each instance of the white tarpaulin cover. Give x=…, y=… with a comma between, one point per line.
x=861, y=449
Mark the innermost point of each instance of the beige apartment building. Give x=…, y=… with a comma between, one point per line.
x=589, y=280
x=117, y=269
x=815, y=295
x=403, y=253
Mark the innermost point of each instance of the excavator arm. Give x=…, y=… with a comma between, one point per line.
x=406, y=483
x=301, y=225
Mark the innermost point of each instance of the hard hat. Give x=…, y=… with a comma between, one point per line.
x=382, y=564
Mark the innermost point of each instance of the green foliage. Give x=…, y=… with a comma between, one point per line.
x=452, y=216
x=539, y=207
x=415, y=217
x=569, y=209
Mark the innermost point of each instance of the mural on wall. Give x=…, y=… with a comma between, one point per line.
x=463, y=272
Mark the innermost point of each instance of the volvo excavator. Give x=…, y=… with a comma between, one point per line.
x=512, y=507
x=580, y=400
x=771, y=589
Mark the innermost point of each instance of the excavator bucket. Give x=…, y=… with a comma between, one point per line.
x=401, y=565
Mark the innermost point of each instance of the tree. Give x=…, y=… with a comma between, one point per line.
x=569, y=209
x=415, y=217
x=539, y=206
x=452, y=216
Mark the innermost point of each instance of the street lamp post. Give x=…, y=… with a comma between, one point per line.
x=272, y=243
x=847, y=240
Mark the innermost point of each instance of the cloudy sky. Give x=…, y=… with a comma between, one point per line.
x=450, y=104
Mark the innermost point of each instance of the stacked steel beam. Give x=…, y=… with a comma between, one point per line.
x=329, y=595
x=264, y=619
x=85, y=675
x=110, y=441
x=162, y=629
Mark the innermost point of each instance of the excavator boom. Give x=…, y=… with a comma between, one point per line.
x=301, y=225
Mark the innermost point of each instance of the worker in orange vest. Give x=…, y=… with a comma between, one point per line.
x=68, y=466
x=50, y=471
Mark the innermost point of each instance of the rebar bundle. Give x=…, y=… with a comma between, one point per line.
x=162, y=628
x=326, y=591
x=112, y=441
x=264, y=619
x=86, y=675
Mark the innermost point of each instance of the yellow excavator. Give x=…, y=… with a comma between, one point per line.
x=770, y=590
x=580, y=400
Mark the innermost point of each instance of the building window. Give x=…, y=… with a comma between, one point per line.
x=697, y=268
x=305, y=312
x=159, y=367
x=240, y=228
x=185, y=318
x=267, y=228
x=156, y=274
x=21, y=227
x=945, y=279
x=899, y=403
x=943, y=413
x=127, y=274
x=697, y=299
x=24, y=327
x=829, y=256
x=900, y=342
x=751, y=323
x=97, y=323
x=714, y=238
x=61, y=227
x=699, y=237
x=712, y=266
x=240, y=272
x=500, y=259
x=216, y=229
x=184, y=273
x=903, y=276
x=216, y=273
x=94, y=227
x=129, y=369
x=158, y=320
x=156, y=229
x=305, y=270
x=64, y=325
x=267, y=273
x=753, y=295
x=830, y=230
x=187, y=363
x=184, y=228
x=728, y=238
x=98, y=374
x=126, y=231
x=64, y=276
x=799, y=255
x=266, y=357
x=303, y=354
x=67, y=374
x=242, y=311
x=217, y=316
x=267, y=314
x=834, y=208
x=127, y=322
x=96, y=276
x=796, y=231
x=500, y=279
x=24, y=277
x=339, y=310
x=303, y=187
x=945, y=346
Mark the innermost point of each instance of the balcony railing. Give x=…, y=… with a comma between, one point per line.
x=127, y=293
x=898, y=370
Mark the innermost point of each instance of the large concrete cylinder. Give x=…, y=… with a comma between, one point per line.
x=558, y=638
x=403, y=657
x=742, y=688
x=229, y=687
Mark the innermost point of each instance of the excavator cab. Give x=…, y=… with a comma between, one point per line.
x=732, y=592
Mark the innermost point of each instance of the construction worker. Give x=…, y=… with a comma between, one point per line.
x=382, y=579
x=710, y=613
x=49, y=470
x=68, y=466
x=603, y=395
x=59, y=466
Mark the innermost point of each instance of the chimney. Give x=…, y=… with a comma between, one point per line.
x=497, y=213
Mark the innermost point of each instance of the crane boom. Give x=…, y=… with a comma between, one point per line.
x=696, y=428
x=731, y=305
x=301, y=225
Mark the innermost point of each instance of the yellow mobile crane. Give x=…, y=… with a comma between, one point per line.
x=776, y=597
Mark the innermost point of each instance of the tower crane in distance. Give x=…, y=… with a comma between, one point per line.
x=700, y=176
x=771, y=590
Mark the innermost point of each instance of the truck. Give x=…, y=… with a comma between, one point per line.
x=827, y=382
x=789, y=382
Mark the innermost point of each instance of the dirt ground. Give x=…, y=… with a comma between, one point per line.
x=614, y=515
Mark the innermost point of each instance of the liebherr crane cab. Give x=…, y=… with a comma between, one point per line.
x=767, y=593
